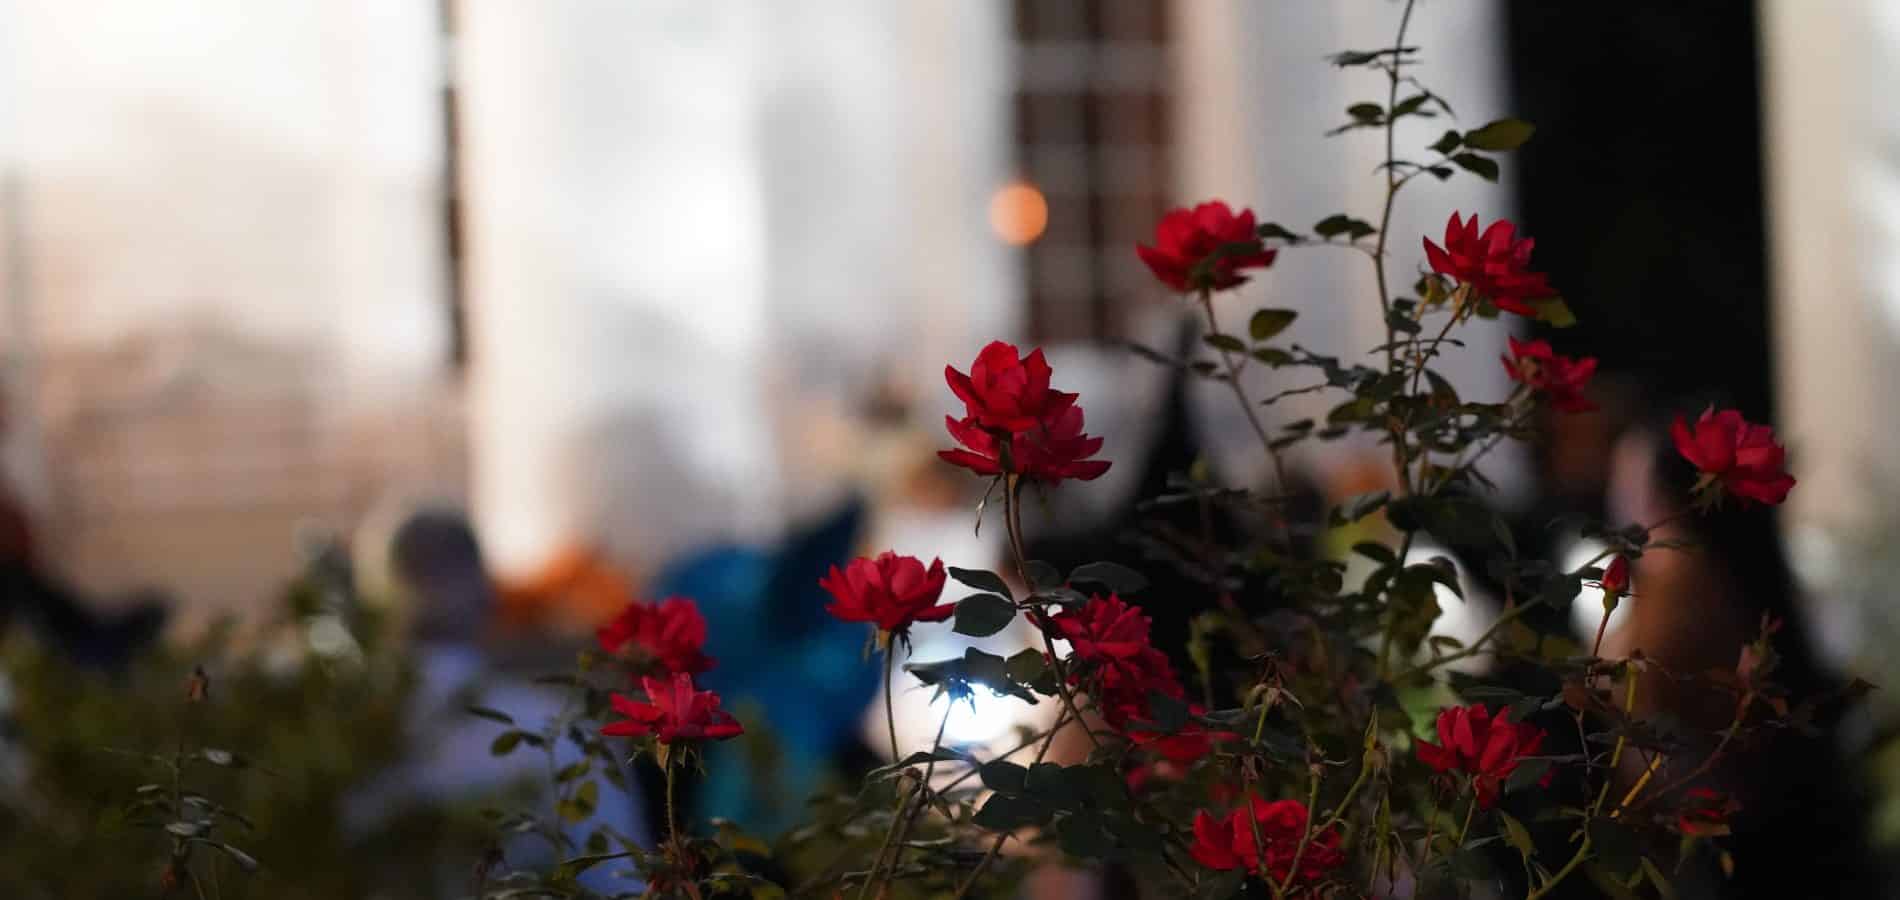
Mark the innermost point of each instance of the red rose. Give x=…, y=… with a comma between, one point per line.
x=1121, y=667
x=1051, y=453
x=670, y=634
x=1616, y=577
x=1007, y=393
x=891, y=591
x=1227, y=842
x=1192, y=743
x=1481, y=745
x=1559, y=378
x=1495, y=264
x=1188, y=239
x=1705, y=813
x=1737, y=454
x=676, y=712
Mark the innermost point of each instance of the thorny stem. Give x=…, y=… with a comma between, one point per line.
x=672, y=817
x=1306, y=835
x=890, y=704
x=1012, y=518
x=1392, y=184
x=1240, y=394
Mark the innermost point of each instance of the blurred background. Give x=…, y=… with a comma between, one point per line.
x=633, y=299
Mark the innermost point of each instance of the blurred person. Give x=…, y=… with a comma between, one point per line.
x=437, y=565
x=1692, y=611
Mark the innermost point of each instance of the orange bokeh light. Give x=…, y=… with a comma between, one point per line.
x=1018, y=213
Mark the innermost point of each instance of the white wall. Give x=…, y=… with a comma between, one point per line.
x=686, y=219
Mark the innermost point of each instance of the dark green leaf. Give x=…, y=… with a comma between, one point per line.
x=1481, y=166
x=1501, y=135
x=582, y=803
x=1226, y=342
x=1025, y=666
x=570, y=869
x=1339, y=224
x=981, y=580
x=1402, y=323
x=1042, y=576
x=1266, y=323
x=505, y=743
x=1366, y=112
x=1274, y=230
x=493, y=715
x=1359, y=507
x=1003, y=776
x=1664, y=889
x=1554, y=311
x=1527, y=773
x=981, y=615
x=1450, y=141
x=1516, y=835
x=1114, y=576
x=1272, y=356
x=1004, y=812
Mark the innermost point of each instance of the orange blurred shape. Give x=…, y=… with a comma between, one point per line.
x=1018, y=213
x=576, y=587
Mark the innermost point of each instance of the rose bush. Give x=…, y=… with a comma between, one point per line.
x=1287, y=751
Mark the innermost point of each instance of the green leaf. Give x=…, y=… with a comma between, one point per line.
x=573, y=770
x=1366, y=112
x=1340, y=223
x=981, y=580
x=1266, y=323
x=1025, y=666
x=1607, y=882
x=1083, y=836
x=1451, y=140
x=1360, y=507
x=1272, y=356
x=1004, y=812
x=1226, y=342
x=244, y=860
x=1664, y=889
x=1481, y=166
x=1528, y=772
x=505, y=743
x=1501, y=135
x=1042, y=576
x=1376, y=552
x=1003, y=776
x=1553, y=311
x=1402, y=323
x=1114, y=576
x=1275, y=230
x=582, y=803
x=186, y=829
x=570, y=869
x=981, y=615
x=493, y=715
x=1516, y=835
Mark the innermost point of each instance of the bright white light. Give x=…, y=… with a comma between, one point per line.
x=1586, y=612
x=1464, y=619
x=986, y=724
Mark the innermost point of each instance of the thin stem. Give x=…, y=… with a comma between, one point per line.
x=1471, y=809
x=1392, y=184
x=1583, y=851
x=1306, y=835
x=1345, y=802
x=1240, y=394
x=890, y=704
x=672, y=817
x=1012, y=519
